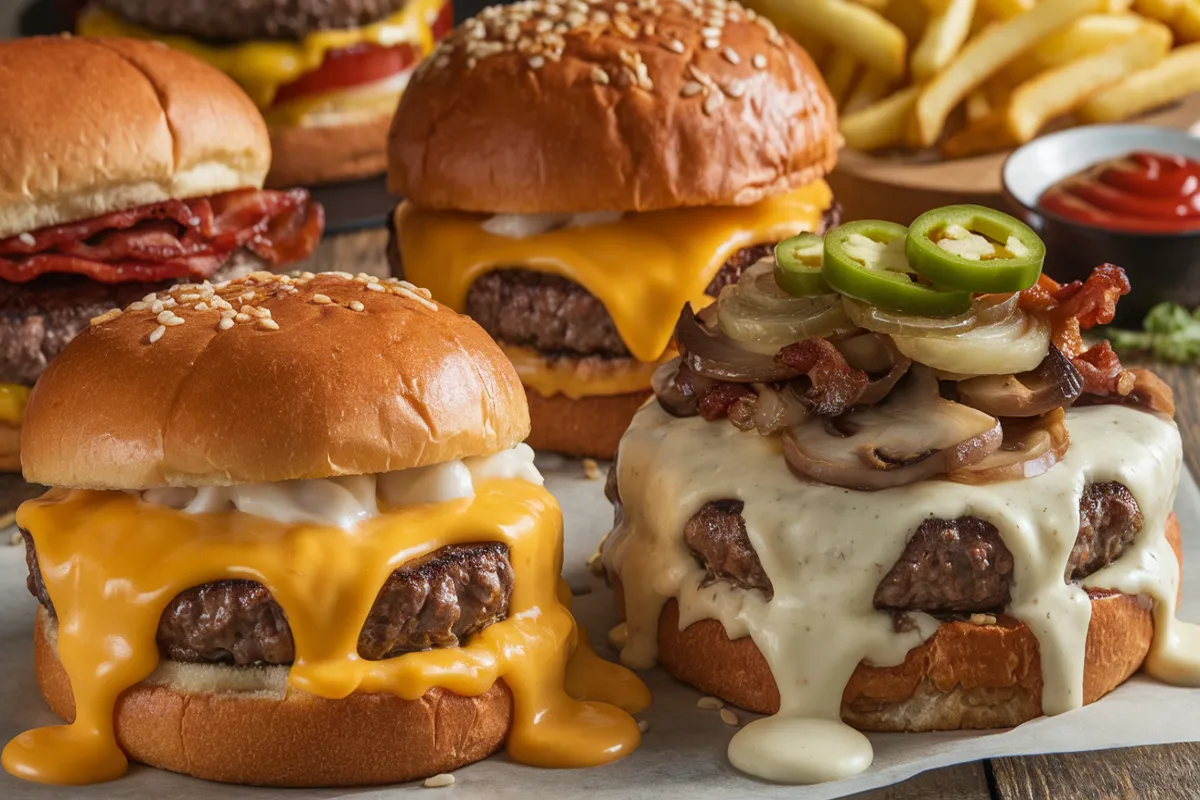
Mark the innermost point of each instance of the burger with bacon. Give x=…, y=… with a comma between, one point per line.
x=326, y=74
x=575, y=173
x=124, y=166
x=887, y=486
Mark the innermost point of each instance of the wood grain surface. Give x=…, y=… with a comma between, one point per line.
x=1169, y=772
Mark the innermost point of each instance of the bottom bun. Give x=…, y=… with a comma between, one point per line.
x=10, y=448
x=589, y=426
x=966, y=676
x=196, y=723
x=303, y=156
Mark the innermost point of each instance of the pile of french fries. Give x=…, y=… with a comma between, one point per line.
x=975, y=76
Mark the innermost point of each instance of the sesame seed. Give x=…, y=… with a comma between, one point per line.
x=622, y=8
x=712, y=102
x=375, y=287
x=157, y=334
x=537, y=62
x=111, y=314
x=150, y=298
x=691, y=89
x=173, y=321
x=439, y=781
x=165, y=316
x=712, y=44
x=170, y=302
x=137, y=306
x=643, y=725
x=730, y=718
x=242, y=317
x=357, y=306
x=599, y=76
x=731, y=55
x=156, y=307
x=225, y=324
x=674, y=45
x=759, y=61
x=201, y=306
x=710, y=33
x=229, y=314
x=321, y=299
x=27, y=239
x=268, y=325
x=710, y=703
x=735, y=88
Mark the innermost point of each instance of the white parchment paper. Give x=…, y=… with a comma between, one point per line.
x=683, y=754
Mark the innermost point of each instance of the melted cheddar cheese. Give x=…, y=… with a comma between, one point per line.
x=549, y=377
x=13, y=397
x=111, y=563
x=643, y=267
x=263, y=66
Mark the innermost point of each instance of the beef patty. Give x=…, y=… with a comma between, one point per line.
x=957, y=566
x=238, y=20
x=558, y=317
x=435, y=601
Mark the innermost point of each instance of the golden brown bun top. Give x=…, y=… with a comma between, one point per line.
x=315, y=377
x=91, y=126
x=541, y=107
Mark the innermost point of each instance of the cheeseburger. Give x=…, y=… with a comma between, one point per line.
x=887, y=487
x=576, y=172
x=124, y=166
x=294, y=539
x=326, y=74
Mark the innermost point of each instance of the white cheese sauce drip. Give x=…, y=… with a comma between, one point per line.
x=348, y=500
x=825, y=549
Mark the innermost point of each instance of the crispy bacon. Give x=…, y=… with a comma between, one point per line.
x=716, y=400
x=1102, y=371
x=1152, y=392
x=171, y=239
x=836, y=386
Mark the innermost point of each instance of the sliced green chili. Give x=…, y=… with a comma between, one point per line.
x=933, y=249
x=798, y=265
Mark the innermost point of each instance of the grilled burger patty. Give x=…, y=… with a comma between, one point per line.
x=435, y=601
x=558, y=317
x=957, y=566
x=238, y=20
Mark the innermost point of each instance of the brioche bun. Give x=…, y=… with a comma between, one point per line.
x=243, y=725
x=305, y=156
x=587, y=427
x=92, y=126
x=320, y=389
x=635, y=112
x=10, y=447
x=965, y=676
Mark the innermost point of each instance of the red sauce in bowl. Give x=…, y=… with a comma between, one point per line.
x=1141, y=192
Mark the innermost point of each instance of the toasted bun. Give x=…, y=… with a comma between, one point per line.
x=92, y=126
x=619, y=121
x=203, y=720
x=589, y=426
x=331, y=391
x=307, y=156
x=964, y=677
x=10, y=448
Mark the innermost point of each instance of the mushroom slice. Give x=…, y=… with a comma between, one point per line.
x=876, y=355
x=913, y=435
x=716, y=356
x=669, y=395
x=1031, y=446
x=1055, y=383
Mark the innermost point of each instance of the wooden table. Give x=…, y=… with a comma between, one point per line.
x=1169, y=772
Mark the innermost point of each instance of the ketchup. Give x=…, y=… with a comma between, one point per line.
x=1141, y=192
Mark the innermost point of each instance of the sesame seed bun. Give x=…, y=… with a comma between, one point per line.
x=658, y=105
x=316, y=376
x=92, y=126
x=965, y=676
x=243, y=725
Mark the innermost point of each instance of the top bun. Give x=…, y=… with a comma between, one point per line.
x=317, y=376
x=91, y=126
x=606, y=105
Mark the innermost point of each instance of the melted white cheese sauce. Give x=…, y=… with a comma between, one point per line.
x=825, y=549
x=345, y=501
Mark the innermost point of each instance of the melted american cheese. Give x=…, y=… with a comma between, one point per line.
x=825, y=549
x=111, y=563
x=13, y=398
x=263, y=66
x=642, y=267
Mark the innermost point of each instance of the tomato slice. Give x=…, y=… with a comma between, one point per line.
x=444, y=22
x=352, y=66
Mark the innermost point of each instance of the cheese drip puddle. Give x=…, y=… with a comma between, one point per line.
x=825, y=549
x=111, y=563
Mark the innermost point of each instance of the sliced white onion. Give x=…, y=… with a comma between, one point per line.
x=756, y=312
x=1016, y=344
x=986, y=309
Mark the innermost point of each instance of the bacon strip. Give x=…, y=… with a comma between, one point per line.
x=171, y=239
x=836, y=386
x=716, y=400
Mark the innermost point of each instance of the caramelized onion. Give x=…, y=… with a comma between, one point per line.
x=1031, y=446
x=987, y=310
x=1056, y=383
x=876, y=355
x=669, y=395
x=757, y=313
x=777, y=409
x=913, y=435
x=716, y=356
x=1017, y=343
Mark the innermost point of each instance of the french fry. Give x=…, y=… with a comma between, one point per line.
x=943, y=38
x=935, y=6
x=866, y=34
x=1161, y=10
x=1086, y=35
x=1005, y=9
x=872, y=87
x=910, y=16
x=874, y=5
x=1115, y=6
x=1061, y=89
x=1187, y=24
x=985, y=135
x=978, y=105
x=839, y=74
x=983, y=56
x=1169, y=80
x=880, y=125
